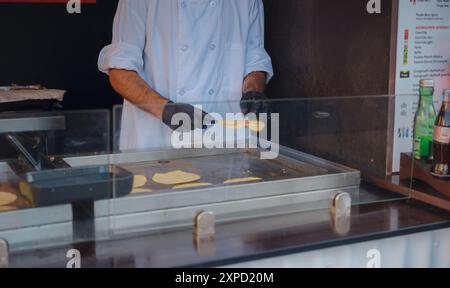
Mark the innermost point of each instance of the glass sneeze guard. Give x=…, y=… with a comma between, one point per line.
x=305, y=152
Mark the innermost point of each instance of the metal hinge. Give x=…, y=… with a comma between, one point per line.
x=205, y=224
x=204, y=231
x=4, y=254
x=341, y=213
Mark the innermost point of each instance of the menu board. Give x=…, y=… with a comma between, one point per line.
x=423, y=52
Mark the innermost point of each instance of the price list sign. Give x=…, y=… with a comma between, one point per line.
x=423, y=52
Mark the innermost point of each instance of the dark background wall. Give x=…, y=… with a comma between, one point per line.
x=42, y=43
x=329, y=48
x=320, y=48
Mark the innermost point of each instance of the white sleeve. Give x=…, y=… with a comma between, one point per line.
x=257, y=58
x=129, y=34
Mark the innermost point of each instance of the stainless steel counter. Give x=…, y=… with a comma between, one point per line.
x=292, y=183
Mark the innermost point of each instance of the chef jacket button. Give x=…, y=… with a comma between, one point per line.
x=211, y=92
x=182, y=92
x=185, y=48
x=213, y=3
x=183, y=4
x=212, y=46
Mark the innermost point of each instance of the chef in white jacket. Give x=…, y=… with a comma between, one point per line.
x=167, y=55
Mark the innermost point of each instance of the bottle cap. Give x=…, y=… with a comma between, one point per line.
x=426, y=83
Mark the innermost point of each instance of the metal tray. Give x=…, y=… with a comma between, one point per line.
x=216, y=169
x=292, y=172
x=68, y=185
x=292, y=183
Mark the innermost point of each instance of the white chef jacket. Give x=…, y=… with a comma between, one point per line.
x=189, y=51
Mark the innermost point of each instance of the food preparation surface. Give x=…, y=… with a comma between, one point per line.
x=219, y=168
x=295, y=181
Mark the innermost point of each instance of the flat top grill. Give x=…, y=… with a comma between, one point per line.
x=216, y=169
x=290, y=172
x=294, y=181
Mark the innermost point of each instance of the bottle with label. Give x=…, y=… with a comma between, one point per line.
x=441, y=142
x=424, y=121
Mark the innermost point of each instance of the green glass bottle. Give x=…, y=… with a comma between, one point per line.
x=424, y=121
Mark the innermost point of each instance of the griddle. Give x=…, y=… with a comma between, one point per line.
x=293, y=182
x=216, y=169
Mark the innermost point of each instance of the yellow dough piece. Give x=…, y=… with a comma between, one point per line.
x=7, y=208
x=242, y=180
x=175, y=178
x=256, y=126
x=139, y=181
x=7, y=198
x=141, y=190
x=191, y=185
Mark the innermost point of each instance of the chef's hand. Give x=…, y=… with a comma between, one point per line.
x=254, y=102
x=196, y=117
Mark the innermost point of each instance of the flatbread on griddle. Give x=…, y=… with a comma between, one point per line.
x=175, y=178
x=139, y=181
x=7, y=198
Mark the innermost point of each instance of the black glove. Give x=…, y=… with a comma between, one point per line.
x=196, y=116
x=254, y=102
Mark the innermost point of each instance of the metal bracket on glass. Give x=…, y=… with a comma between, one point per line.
x=205, y=224
x=4, y=254
x=204, y=231
x=341, y=213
